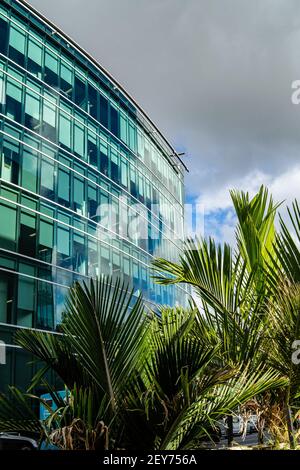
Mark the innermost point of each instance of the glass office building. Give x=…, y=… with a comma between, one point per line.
x=88, y=184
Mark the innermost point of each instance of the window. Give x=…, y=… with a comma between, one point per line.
x=63, y=247
x=114, y=121
x=65, y=130
x=64, y=188
x=103, y=158
x=47, y=179
x=92, y=102
x=124, y=173
x=92, y=202
x=10, y=161
x=46, y=240
x=105, y=265
x=115, y=166
x=66, y=79
x=140, y=145
x=2, y=89
x=92, y=150
x=123, y=128
x=32, y=110
x=34, y=60
x=26, y=297
x=29, y=170
x=3, y=36
x=49, y=120
x=79, y=196
x=133, y=186
x=93, y=266
x=79, y=93
x=27, y=239
x=8, y=217
x=17, y=45
x=132, y=137
x=79, y=254
x=51, y=69
x=14, y=100
x=79, y=139
x=103, y=111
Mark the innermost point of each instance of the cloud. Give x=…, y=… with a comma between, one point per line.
x=216, y=80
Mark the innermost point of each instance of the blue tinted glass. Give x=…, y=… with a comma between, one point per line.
x=103, y=111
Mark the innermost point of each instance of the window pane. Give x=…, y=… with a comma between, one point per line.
x=29, y=171
x=92, y=101
x=103, y=159
x=17, y=45
x=123, y=128
x=49, y=119
x=114, y=121
x=79, y=195
x=124, y=173
x=79, y=92
x=66, y=80
x=65, y=129
x=10, y=161
x=32, y=110
x=103, y=111
x=63, y=241
x=132, y=137
x=51, y=69
x=115, y=166
x=3, y=36
x=13, y=100
x=34, y=60
x=47, y=179
x=92, y=150
x=64, y=188
x=79, y=140
x=8, y=216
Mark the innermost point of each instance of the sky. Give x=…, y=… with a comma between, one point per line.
x=215, y=76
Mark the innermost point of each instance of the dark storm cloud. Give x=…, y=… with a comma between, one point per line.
x=215, y=75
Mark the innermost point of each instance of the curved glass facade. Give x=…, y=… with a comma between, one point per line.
x=88, y=185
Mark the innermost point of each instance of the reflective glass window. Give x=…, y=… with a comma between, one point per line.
x=79, y=253
x=115, y=171
x=124, y=172
x=46, y=241
x=17, y=45
x=47, y=179
x=64, y=188
x=79, y=195
x=79, y=139
x=14, y=100
x=10, y=161
x=103, y=111
x=4, y=29
x=8, y=217
x=29, y=170
x=26, y=296
x=104, y=158
x=34, y=59
x=66, y=79
x=92, y=101
x=49, y=120
x=65, y=129
x=123, y=128
x=27, y=239
x=51, y=69
x=114, y=121
x=132, y=136
x=79, y=92
x=92, y=202
x=92, y=149
x=32, y=110
x=63, y=247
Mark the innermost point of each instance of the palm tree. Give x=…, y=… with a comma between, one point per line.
x=231, y=285
x=132, y=380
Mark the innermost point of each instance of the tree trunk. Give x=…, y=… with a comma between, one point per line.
x=229, y=430
x=289, y=421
